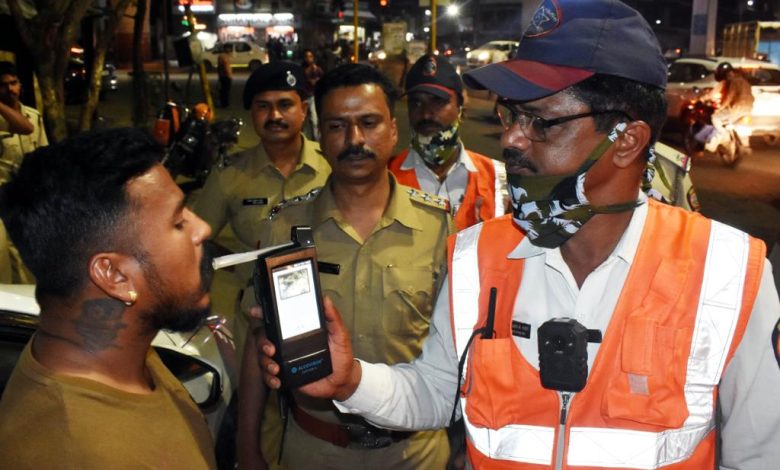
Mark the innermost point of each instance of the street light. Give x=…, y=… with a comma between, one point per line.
x=453, y=10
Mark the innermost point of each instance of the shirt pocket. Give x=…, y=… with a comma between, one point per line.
x=408, y=300
x=649, y=386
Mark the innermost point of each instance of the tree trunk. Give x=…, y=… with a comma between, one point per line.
x=48, y=35
x=140, y=87
x=52, y=95
x=104, y=39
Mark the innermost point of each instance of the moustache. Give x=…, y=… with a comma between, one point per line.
x=206, y=268
x=515, y=159
x=355, y=151
x=279, y=123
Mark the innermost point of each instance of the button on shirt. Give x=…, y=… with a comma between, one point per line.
x=454, y=185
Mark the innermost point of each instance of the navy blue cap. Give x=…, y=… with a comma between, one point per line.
x=434, y=75
x=280, y=75
x=569, y=41
x=7, y=68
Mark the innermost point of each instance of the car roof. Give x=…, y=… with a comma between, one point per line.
x=501, y=41
x=712, y=62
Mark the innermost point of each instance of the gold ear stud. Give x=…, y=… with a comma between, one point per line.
x=133, y=297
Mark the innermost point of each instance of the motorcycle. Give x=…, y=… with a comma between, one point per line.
x=194, y=144
x=698, y=129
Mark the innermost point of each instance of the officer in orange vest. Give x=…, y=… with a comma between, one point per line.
x=591, y=328
x=436, y=160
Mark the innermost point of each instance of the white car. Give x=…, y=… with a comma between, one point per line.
x=692, y=78
x=245, y=55
x=492, y=52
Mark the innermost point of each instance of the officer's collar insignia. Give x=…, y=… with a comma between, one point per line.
x=291, y=79
x=293, y=201
x=545, y=20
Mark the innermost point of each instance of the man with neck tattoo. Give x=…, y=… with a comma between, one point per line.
x=117, y=257
x=436, y=160
x=593, y=327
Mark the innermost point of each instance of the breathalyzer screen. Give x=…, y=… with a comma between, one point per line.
x=296, y=298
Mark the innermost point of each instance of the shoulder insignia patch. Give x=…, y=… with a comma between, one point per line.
x=428, y=199
x=293, y=201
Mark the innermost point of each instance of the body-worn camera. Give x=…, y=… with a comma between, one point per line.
x=563, y=354
x=287, y=286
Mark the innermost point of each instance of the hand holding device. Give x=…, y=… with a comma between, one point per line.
x=344, y=379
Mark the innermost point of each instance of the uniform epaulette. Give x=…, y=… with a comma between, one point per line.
x=293, y=201
x=428, y=199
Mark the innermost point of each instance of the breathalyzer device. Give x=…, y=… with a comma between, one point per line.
x=287, y=286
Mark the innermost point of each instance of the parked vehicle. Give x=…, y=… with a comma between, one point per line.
x=194, y=144
x=204, y=361
x=691, y=79
x=77, y=81
x=245, y=54
x=752, y=39
x=492, y=52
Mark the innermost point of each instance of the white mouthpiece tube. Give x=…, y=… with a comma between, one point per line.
x=246, y=257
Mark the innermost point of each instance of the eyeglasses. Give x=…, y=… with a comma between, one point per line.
x=533, y=127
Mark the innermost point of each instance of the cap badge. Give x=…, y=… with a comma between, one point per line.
x=430, y=67
x=291, y=79
x=546, y=19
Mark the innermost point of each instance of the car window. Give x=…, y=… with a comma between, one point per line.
x=684, y=72
x=242, y=47
x=762, y=76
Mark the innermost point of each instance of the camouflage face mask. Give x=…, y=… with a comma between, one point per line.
x=438, y=148
x=551, y=209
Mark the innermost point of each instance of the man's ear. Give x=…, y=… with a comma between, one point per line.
x=113, y=274
x=631, y=144
x=305, y=107
x=394, y=127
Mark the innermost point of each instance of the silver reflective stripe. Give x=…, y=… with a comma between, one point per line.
x=464, y=280
x=515, y=442
x=716, y=319
x=500, y=186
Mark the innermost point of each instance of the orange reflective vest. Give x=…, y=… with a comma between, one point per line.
x=484, y=185
x=651, y=394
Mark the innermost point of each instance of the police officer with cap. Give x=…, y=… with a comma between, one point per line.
x=285, y=164
x=594, y=327
x=436, y=160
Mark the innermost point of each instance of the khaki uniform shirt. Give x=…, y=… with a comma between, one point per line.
x=14, y=146
x=243, y=193
x=48, y=420
x=385, y=292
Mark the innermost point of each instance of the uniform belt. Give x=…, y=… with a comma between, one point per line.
x=361, y=433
